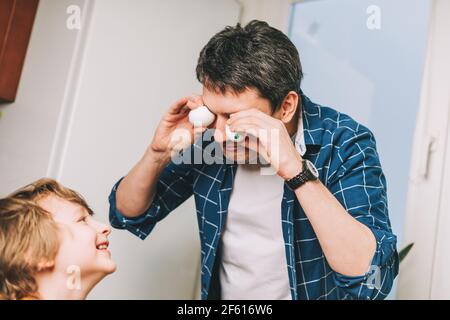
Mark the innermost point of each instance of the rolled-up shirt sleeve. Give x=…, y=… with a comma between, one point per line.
x=173, y=188
x=360, y=186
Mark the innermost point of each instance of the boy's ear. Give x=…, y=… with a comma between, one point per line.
x=45, y=265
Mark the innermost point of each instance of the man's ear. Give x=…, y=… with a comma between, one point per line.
x=288, y=107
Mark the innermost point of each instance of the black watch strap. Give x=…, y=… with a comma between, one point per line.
x=300, y=179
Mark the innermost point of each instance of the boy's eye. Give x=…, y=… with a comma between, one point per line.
x=84, y=219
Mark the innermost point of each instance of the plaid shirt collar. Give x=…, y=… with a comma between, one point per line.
x=308, y=135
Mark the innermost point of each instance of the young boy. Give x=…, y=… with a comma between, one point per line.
x=50, y=246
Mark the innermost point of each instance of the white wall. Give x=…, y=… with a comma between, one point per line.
x=424, y=273
x=87, y=107
x=274, y=12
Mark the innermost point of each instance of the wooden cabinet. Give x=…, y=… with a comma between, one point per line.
x=16, y=22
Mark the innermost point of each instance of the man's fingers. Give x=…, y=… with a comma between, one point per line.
x=250, y=113
x=257, y=118
x=192, y=104
x=248, y=121
x=255, y=145
x=180, y=138
x=178, y=106
x=195, y=98
x=194, y=101
x=185, y=104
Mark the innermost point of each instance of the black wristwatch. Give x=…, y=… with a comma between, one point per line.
x=308, y=173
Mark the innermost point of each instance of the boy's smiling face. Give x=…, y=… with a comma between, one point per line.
x=83, y=240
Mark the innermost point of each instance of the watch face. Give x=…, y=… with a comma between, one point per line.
x=312, y=168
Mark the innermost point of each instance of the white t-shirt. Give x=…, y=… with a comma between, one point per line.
x=254, y=262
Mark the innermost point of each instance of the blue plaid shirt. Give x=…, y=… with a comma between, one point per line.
x=345, y=155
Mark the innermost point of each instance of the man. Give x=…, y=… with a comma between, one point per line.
x=317, y=229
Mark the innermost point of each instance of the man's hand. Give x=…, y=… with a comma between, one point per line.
x=174, y=131
x=273, y=141
x=137, y=190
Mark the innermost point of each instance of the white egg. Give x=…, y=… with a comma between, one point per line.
x=233, y=136
x=201, y=117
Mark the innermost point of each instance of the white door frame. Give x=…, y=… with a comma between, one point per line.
x=427, y=216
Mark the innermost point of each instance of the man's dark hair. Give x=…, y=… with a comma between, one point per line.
x=255, y=56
